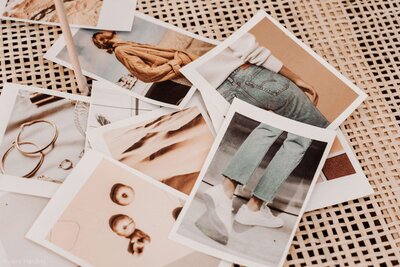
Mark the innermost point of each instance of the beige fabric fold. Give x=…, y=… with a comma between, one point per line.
x=150, y=63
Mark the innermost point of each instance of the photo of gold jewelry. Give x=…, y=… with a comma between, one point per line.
x=18, y=142
x=35, y=169
x=66, y=165
x=41, y=140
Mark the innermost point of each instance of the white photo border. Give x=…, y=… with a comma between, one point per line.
x=71, y=187
x=17, y=184
x=351, y=187
x=252, y=112
x=96, y=135
x=58, y=45
x=126, y=9
x=4, y=261
x=218, y=110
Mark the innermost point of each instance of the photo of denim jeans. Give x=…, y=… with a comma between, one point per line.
x=271, y=91
x=268, y=90
x=288, y=199
x=252, y=152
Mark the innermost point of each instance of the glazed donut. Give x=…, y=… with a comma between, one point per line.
x=122, y=194
x=122, y=225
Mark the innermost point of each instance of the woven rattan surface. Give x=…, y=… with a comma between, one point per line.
x=359, y=38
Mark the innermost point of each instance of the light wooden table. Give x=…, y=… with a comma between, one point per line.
x=358, y=38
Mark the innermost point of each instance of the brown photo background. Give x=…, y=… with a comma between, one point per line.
x=334, y=95
x=338, y=164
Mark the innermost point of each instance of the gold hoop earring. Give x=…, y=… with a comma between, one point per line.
x=32, y=172
x=18, y=142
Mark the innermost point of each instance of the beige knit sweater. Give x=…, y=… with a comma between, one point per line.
x=151, y=63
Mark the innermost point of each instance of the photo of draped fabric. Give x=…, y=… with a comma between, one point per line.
x=171, y=148
x=85, y=12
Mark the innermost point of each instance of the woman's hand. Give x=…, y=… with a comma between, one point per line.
x=305, y=87
x=308, y=89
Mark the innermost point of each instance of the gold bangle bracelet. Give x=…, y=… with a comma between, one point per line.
x=32, y=172
x=18, y=142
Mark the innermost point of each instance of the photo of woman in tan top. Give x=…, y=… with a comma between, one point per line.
x=145, y=61
x=156, y=64
x=148, y=63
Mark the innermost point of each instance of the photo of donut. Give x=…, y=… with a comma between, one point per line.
x=137, y=242
x=125, y=226
x=90, y=229
x=122, y=225
x=122, y=194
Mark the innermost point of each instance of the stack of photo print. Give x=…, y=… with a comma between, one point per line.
x=187, y=151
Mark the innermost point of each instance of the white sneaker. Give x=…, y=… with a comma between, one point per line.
x=262, y=217
x=219, y=213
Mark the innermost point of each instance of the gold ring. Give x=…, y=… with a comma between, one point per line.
x=32, y=172
x=18, y=142
x=66, y=165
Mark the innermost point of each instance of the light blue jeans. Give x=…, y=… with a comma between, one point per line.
x=271, y=91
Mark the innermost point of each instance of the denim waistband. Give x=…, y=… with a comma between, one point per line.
x=245, y=69
x=233, y=73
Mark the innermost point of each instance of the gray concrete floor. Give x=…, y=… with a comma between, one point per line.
x=259, y=244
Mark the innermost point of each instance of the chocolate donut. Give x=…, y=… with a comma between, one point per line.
x=122, y=194
x=122, y=225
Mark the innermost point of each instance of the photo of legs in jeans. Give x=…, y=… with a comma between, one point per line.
x=271, y=91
